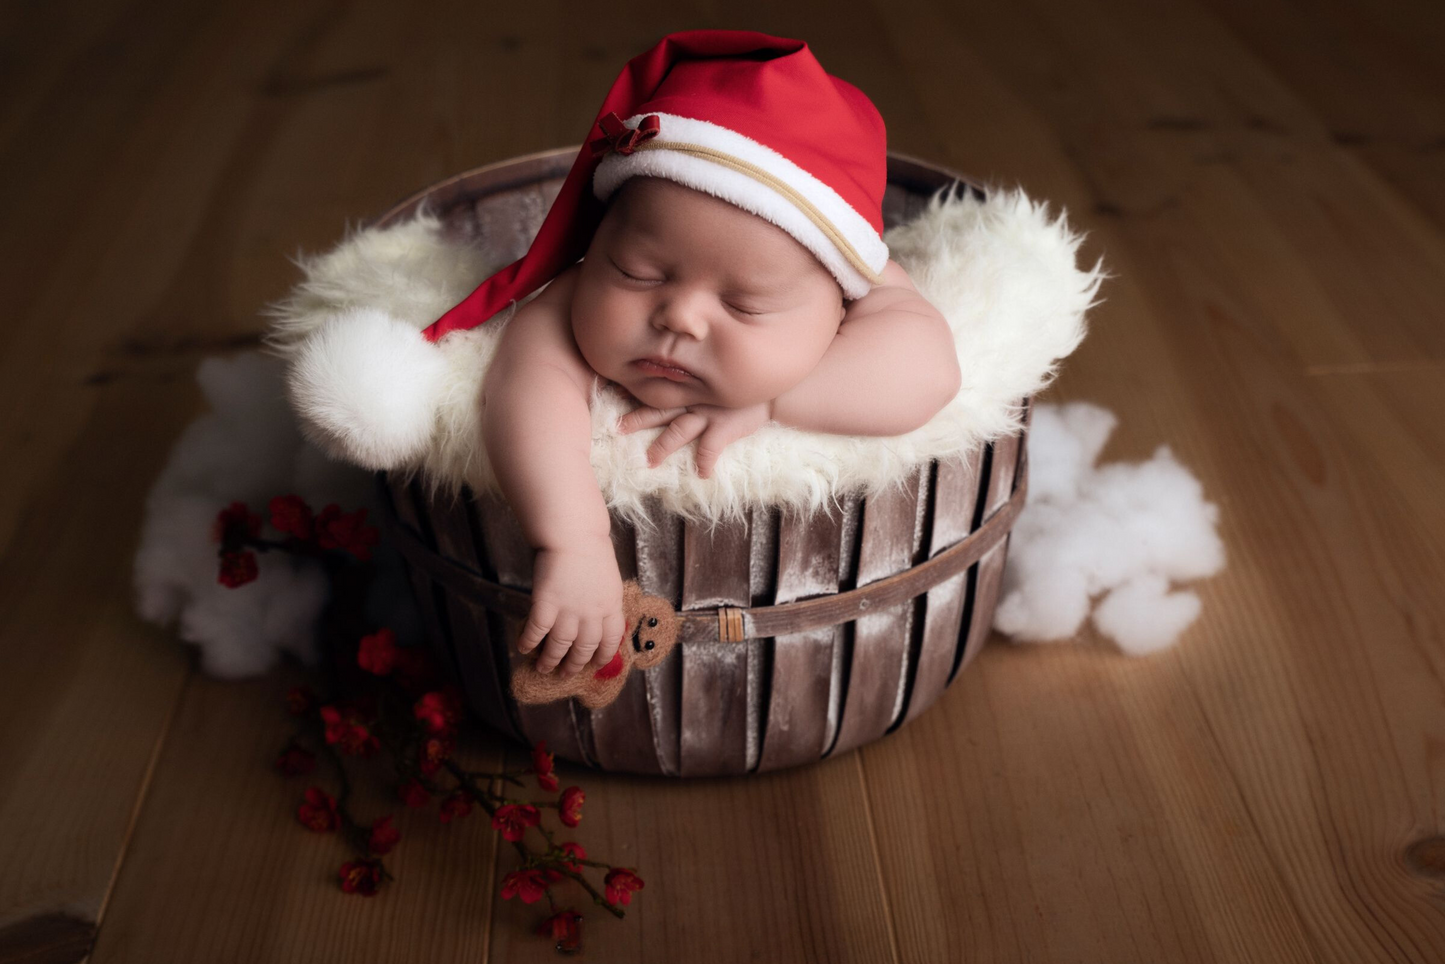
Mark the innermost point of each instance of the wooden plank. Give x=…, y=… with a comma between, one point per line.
x=220, y=870
x=714, y=736
x=485, y=681
x=1000, y=463
x=692, y=841
x=428, y=596
x=801, y=679
x=955, y=495
x=878, y=674
x=658, y=551
x=87, y=691
x=763, y=581
x=1368, y=78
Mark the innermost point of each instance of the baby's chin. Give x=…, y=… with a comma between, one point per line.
x=661, y=393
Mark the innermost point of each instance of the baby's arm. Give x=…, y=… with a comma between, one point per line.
x=891, y=367
x=538, y=433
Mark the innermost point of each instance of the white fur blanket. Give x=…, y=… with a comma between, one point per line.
x=1002, y=271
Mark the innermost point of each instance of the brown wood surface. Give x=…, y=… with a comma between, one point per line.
x=714, y=712
x=881, y=650
x=944, y=607
x=799, y=693
x=1266, y=181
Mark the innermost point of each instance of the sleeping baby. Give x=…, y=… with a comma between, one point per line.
x=716, y=321
x=715, y=252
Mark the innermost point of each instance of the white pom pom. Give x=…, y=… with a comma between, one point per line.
x=366, y=387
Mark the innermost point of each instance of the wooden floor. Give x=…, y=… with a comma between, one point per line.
x=1268, y=183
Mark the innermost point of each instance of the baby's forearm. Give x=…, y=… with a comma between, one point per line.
x=884, y=374
x=538, y=434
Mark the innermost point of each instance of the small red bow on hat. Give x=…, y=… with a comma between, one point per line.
x=618, y=137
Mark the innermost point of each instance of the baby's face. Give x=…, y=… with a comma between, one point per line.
x=680, y=275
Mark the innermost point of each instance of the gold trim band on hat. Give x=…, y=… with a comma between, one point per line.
x=782, y=187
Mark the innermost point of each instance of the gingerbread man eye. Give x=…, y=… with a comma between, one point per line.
x=647, y=645
x=652, y=620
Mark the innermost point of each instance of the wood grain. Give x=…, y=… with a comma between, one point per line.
x=714, y=733
x=801, y=708
x=232, y=840
x=709, y=864
x=881, y=654
x=1265, y=181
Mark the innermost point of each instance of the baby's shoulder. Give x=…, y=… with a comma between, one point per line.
x=540, y=334
x=559, y=290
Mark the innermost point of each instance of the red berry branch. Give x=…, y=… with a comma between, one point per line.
x=383, y=698
x=238, y=530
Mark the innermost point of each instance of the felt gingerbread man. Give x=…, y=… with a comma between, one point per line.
x=652, y=632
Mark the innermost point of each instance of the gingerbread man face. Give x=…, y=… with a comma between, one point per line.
x=653, y=628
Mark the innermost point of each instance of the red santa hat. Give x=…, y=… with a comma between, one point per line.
x=749, y=118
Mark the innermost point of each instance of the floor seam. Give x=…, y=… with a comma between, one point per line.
x=142, y=794
x=877, y=859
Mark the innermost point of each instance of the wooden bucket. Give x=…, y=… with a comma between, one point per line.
x=801, y=635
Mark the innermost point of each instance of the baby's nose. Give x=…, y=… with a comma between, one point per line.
x=684, y=315
x=683, y=323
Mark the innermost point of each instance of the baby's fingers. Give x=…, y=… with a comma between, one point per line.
x=539, y=622
x=710, y=448
x=683, y=429
x=559, y=640
x=646, y=417
x=614, y=630
x=588, y=631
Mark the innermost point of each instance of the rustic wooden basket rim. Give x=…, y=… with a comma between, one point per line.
x=734, y=624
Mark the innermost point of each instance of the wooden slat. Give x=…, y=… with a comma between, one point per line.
x=714, y=732
x=509, y=553
x=1001, y=464
x=483, y=680
x=801, y=678
x=764, y=523
x=892, y=531
x=955, y=495
x=411, y=510
x=657, y=551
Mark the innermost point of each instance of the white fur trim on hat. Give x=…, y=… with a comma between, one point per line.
x=656, y=158
x=366, y=386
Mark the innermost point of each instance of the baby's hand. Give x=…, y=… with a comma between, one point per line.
x=718, y=427
x=576, y=605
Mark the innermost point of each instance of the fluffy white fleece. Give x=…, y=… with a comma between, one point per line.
x=1002, y=271
x=1121, y=530
x=247, y=448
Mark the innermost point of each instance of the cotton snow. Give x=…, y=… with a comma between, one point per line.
x=1121, y=531
x=247, y=448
